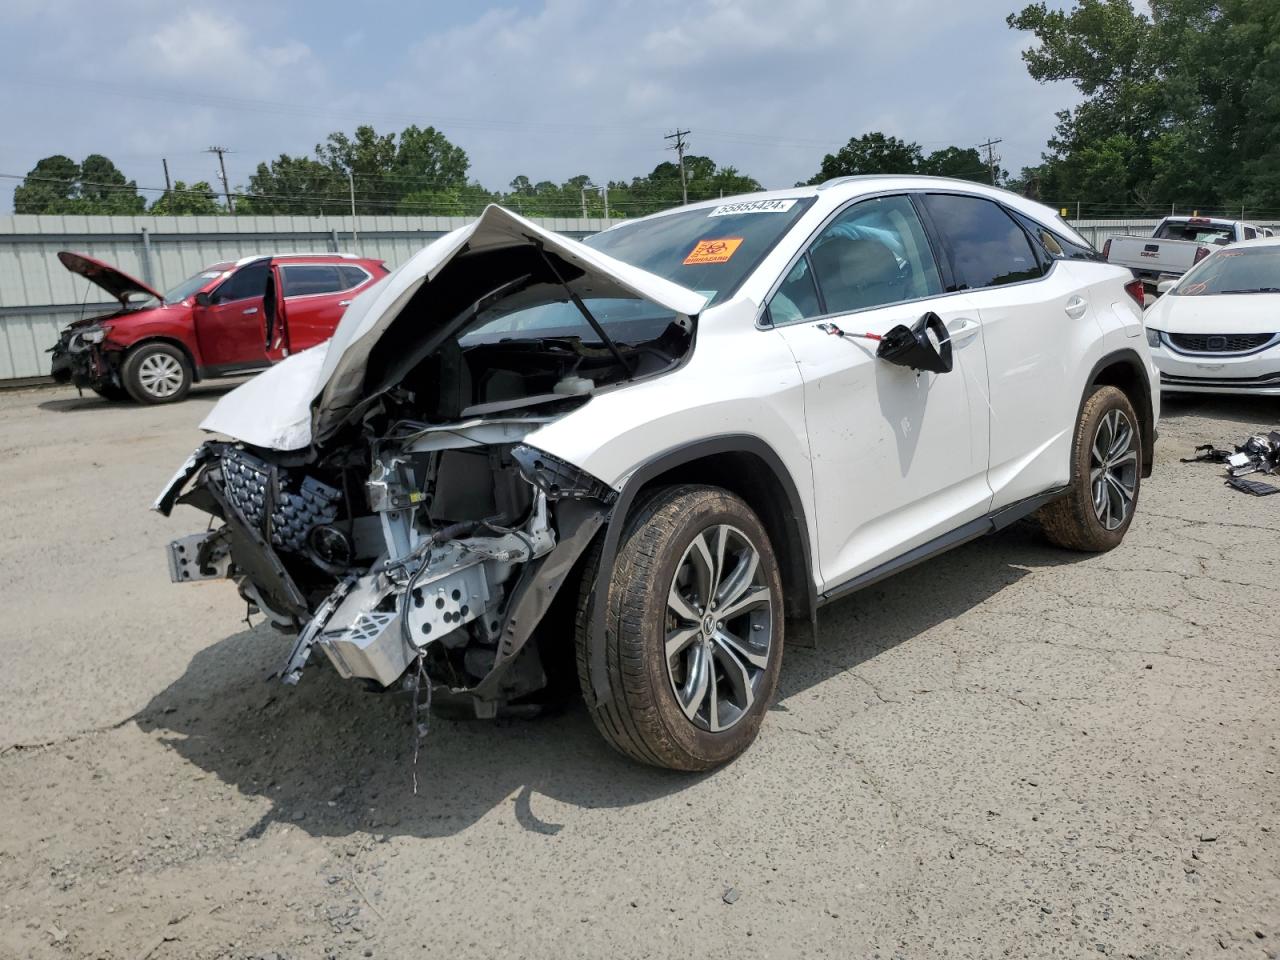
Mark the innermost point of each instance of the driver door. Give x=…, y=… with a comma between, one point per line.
x=229, y=327
x=899, y=456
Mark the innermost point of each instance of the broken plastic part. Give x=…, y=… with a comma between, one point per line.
x=558, y=479
x=925, y=345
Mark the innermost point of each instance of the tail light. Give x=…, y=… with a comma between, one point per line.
x=1135, y=289
x=1201, y=253
x=1106, y=249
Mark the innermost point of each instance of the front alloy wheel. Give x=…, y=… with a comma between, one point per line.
x=693, y=630
x=156, y=373
x=719, y=621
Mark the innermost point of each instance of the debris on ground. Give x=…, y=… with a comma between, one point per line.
x=1258, y=454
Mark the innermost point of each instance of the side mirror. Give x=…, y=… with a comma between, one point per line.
x=203, y=299
x=1164, y=286
x=925, y=345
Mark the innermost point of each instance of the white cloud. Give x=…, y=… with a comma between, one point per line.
x=548, y=89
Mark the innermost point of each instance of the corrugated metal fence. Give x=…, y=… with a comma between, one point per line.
x=38, y=296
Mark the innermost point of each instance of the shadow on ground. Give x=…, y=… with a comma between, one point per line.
x=90, y=400
x=334, y=759
x=1234, y=412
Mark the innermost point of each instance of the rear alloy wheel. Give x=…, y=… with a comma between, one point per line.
x=157, y=373
x=693, y=630
x=1106, y=476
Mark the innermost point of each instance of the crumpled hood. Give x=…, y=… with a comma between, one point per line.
x=305, y=397
x=1222, y=313
x=111, y=279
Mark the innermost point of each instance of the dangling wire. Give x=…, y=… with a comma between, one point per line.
x=420, y=730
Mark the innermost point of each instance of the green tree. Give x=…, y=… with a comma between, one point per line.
x=199, y=199
x=295, y=185
x=1181, y=105
x=58, y=184
x=870, y=153
x=963, y=163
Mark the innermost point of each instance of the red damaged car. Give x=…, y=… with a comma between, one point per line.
x=211, y=325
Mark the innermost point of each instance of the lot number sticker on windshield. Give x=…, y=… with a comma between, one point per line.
x=713, y=251
x=752, y=206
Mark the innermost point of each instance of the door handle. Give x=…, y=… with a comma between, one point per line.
x=962, y=329
x=1077, y=307
x=251, y=311
x=344, y=303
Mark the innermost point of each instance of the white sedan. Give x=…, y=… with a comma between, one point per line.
x=1217, y=330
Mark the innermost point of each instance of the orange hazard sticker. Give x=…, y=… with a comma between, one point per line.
x=713, y=251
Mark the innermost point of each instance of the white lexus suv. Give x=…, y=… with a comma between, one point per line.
x=644, y=457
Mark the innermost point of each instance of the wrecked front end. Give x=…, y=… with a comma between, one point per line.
x=384, y=497
x=442, y=550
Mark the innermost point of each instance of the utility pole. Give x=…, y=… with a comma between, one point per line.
x=583, y=191
x=168, y=187
x=351, y=184
x=992, y=159
x=604, y=193
x=678, y=147
x=222, y=163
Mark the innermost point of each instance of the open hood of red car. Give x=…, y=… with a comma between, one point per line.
x=111, y=279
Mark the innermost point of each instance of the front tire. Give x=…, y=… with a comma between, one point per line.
x=1106, y=477
x=157, y=373
x=693, y=630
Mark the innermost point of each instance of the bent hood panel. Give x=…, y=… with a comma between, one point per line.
x=111, y=279
x=307, y=401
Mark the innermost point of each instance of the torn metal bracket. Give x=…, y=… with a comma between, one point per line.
x=560, y=480
x=301, y=651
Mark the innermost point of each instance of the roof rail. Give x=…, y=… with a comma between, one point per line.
x=302, y=253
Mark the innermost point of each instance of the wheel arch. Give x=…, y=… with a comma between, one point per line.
x=745, y=466
x=1125, y=371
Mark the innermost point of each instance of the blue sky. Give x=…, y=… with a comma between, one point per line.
x=544, y=88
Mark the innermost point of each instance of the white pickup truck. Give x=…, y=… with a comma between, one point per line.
x=1178, y=244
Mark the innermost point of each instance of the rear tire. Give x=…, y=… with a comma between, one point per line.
x=693, y=630
x=1106, y=477
x=157, y=373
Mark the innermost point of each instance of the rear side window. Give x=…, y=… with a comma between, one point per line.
x=1250, y=233
x=987, y=247
x=352, y=276
x=250, y=281
x=310, y=279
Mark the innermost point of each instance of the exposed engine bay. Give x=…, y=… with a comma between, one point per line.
x=424, y=534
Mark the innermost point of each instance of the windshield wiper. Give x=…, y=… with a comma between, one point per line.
x=1255, y=290
x=582, y=309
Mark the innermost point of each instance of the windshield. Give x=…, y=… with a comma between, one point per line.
x=193, y=285
x=1237, y=270
x=711, y=249
x=1195, y=232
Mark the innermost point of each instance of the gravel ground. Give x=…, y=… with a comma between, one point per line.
x=1008, y=751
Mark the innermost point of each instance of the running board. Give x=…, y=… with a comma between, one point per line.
x=996, y=520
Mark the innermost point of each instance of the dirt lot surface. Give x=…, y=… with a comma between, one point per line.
x=1008, y=751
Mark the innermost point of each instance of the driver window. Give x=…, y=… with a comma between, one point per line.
x=872, y=254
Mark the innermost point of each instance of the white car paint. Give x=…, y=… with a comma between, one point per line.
x=1248, y=372
x=883, y=458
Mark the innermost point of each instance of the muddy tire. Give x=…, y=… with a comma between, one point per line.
x=693, y=630
x=1106, y=477
x=156, y=373
x=113, y=393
